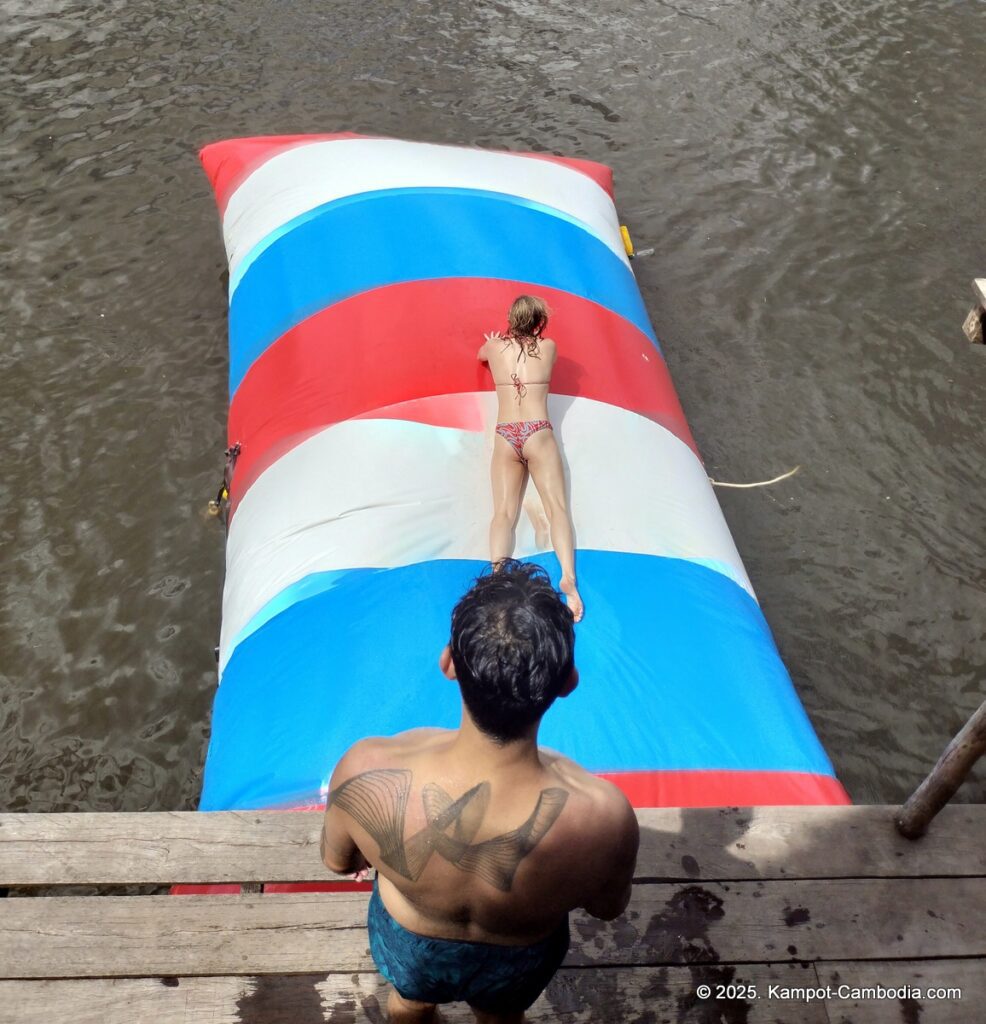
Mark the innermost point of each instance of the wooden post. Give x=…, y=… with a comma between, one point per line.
x=937, y=789
x=976, y=320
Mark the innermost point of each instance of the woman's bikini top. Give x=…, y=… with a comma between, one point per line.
x=519, y=386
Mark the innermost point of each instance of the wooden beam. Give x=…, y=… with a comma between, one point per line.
x=974, y=322
x=697, y=843
x=945, y=778
x=972, y=326
x=764, y=922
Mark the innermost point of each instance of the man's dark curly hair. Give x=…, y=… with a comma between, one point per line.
x=513, y=647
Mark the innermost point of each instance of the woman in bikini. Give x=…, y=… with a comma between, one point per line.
x=521, y=362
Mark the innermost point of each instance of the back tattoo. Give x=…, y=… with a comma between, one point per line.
x=377, y=800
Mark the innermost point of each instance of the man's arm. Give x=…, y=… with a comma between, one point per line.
x=611, y=899
x=339, y=850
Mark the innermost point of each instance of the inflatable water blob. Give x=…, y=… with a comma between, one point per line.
x=363, y=273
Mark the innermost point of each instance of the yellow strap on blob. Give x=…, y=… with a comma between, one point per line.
x=627, y=241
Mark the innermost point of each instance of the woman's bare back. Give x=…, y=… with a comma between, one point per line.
x=521, y=372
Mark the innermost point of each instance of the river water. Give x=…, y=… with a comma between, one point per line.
x=811, y=176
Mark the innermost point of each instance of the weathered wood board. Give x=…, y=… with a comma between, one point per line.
x=795, y=898
x=967, y=1007
x=751, y=921
x=595, y=996
x=701, y=843
x=618, y=995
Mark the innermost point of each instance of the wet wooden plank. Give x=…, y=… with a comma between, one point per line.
x=575, y=996
x=911, y=1001
x=837, y=919
x=665, y=924
x=699, y=843
x=807, y=842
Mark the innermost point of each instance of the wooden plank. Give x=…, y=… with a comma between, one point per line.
x=972, y=326
x=115, y=936
x=913, y=1005
x=807, y=920
x=806, y=842
x=574, y=996
x=698, y=843
x=160, y=848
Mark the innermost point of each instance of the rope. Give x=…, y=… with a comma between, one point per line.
x=759, y=483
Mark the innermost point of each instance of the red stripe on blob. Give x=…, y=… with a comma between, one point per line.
x=318, y=887
x=727, y=788
x=208, y=889
x=229, y=163
x=406, y=342
x=460, y=412
x=601, y=174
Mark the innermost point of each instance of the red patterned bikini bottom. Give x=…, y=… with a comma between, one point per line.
x=516, y=434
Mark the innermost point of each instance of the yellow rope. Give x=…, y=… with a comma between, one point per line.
x=759, y=483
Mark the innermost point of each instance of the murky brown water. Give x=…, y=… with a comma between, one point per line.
x=810, y=174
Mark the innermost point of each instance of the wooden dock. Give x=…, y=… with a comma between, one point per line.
x=766, y=907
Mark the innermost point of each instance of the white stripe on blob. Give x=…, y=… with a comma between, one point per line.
x=379, y=493
x=305, y=177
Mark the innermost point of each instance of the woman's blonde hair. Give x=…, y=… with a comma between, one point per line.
x=528, y=318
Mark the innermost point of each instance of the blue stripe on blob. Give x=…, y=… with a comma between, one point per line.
x=381, y=238
x=678, y=671
x=244, y=265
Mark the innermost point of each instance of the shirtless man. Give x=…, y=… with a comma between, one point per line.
x=482, y=841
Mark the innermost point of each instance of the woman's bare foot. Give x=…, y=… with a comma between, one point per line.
x=567, y=587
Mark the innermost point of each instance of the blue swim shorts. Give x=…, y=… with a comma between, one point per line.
x=492, y=978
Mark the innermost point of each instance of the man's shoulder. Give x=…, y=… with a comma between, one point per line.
x=380, y=752
x=604, y=804
x=612, y=811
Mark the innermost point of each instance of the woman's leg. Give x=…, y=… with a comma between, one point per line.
x=507, y=474
x=534, y=508
x=544, y=462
